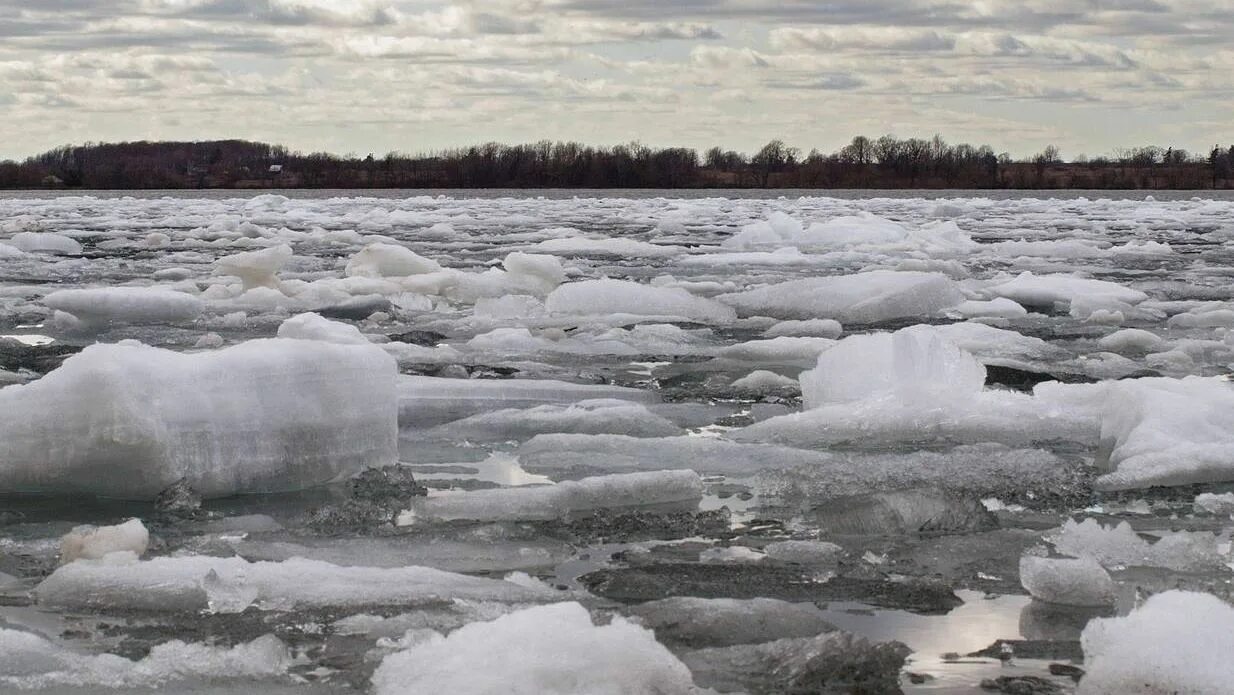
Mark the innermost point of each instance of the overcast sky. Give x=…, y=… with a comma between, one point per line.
x=366, y=76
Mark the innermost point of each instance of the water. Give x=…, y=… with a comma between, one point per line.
x=684, y=368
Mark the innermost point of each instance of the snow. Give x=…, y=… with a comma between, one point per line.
x=559, y=501
x=229, y=585
x=103, y=306
x=623, y=297
x=389, y=260
x=1177, y=642
x=1067, y=582
x=127, y=420
x=546, y=650
x=92, y=543
x=864, y=298
x=29, y=661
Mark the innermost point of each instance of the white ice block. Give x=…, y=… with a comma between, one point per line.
x=127, y=420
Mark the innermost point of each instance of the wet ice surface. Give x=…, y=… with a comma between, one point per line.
x=781, y=433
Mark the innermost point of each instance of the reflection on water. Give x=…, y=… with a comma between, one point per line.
x=971, y=627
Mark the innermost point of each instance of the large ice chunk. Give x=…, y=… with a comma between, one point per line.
x=608, y=296
x=255, y=268
x=92, y=543
x=915, y=363
x=546, y=650
x=1177, y=642
x=127, y=420
x=914, y=385
x=1119, y=545
x=389, y=260
x=1067, y=582
x=1168, y=432
x=547, y=502
x=196, y=583
x=311, y=326
x=45, y=242
x=1045, y=290
x=31, y=662
x=138, y=305
x=879, y=295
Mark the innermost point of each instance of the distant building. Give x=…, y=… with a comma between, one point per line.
x=53, y=180
x=276, y=168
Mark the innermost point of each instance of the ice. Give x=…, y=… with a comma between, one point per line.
x=804, y=552
x=1067, y=582
x=31, y=662
x=100, y=307
x=197, y=583
x=8, y=251
x=623, y=297
x=914, y=364
x=546, y=650
x=426, y=401
x=389, y=260
x=818, y=328
x=585, y=417
x=92, y=543
x=831, y=662
x=915, y=385
x=864, y=298
x=1119, y=545
x=452, y=556
x=540, y=273
x=625, y=248
x=557, y=453
x=763, y=380
x=1044, y=290
x=1168, y=432
x=722, y=622
x=255, y=268
x=1131, y=340
x=787, y=350
x=559, y=501
x=998, y=307
x=45, y=242
x=127, y=420
x=1222, y=504
x=1177, y=642
x=311, y=326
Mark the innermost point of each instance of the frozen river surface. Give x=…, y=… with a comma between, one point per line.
x=597, y=444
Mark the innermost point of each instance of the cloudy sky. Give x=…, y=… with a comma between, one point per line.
x=366, y=76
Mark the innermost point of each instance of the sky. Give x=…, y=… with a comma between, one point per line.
x=374, y=76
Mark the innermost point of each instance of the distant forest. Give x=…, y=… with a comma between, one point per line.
x=886, y=162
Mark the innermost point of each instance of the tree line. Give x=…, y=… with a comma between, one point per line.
x=883, y=163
